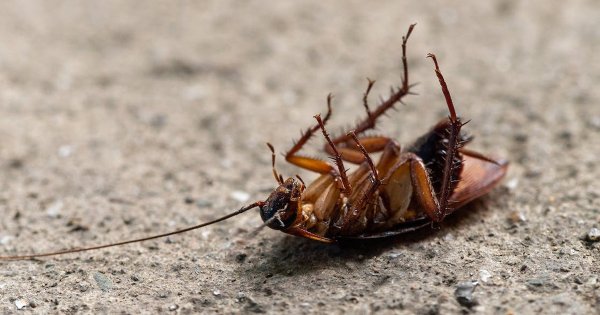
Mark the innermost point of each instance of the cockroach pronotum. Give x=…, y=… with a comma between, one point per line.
x=406, y=190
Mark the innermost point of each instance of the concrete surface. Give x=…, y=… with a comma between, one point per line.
x=122, y=119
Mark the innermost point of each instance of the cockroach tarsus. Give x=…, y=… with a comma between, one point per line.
x=407, y=189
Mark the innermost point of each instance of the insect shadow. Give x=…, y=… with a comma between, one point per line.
x=293, y=256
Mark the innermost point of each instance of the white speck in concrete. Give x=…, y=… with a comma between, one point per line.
x=484, y=275
x=65, y=151
x=5, y=239
x=512, y=183
x=20, y=304
x=448, y=237
x=240, y=196
x=54, y=209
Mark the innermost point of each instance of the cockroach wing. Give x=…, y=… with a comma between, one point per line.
x=477, y=178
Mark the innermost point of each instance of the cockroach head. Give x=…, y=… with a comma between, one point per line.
x=280, y=210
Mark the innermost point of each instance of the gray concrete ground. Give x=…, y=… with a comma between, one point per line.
x=122, y=119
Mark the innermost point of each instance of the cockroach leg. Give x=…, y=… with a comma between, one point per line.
x=423, y=189
x=396, y=96
x=301, y=180
x=365, y=196
x=404, y=61
x=453, y=143
x=277, y=176
x=351, y=154
x=366, y=157
x=346, y=188
x=310, y=164
x=389, y=156
x=445, y=90
x=366, y=97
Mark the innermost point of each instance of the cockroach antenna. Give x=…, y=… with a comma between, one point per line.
x=84, y=249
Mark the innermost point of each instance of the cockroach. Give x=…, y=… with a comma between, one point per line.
x=408, y=189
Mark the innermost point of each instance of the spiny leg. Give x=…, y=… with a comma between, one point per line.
x=376, y=182
x=354, y=155
x=359, y=205
x=346, y=188
x=366, y=97
x=453, y=144
x=311, y=164
x=396, y=96
x=366, y=156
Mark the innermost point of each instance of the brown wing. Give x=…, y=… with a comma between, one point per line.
x=479, y=175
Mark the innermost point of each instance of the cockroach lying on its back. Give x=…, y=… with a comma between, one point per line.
x=406, y=190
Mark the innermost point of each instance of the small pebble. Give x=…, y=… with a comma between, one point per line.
x=103, y=281
x=484, y=275
x=83, y=286
x=394, y=255
x=593, y=235
x=217, y=292
x=5, y=239
x=20, y=304
x=448, y=237
x=240, y=196
x=173, y=307
x=516, y=217
x=464, y=293
x=543, y=283
x=241, y=297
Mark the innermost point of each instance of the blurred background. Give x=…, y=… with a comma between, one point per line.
x=120, y=119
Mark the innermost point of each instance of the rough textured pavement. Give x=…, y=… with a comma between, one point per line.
x=119, y=120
